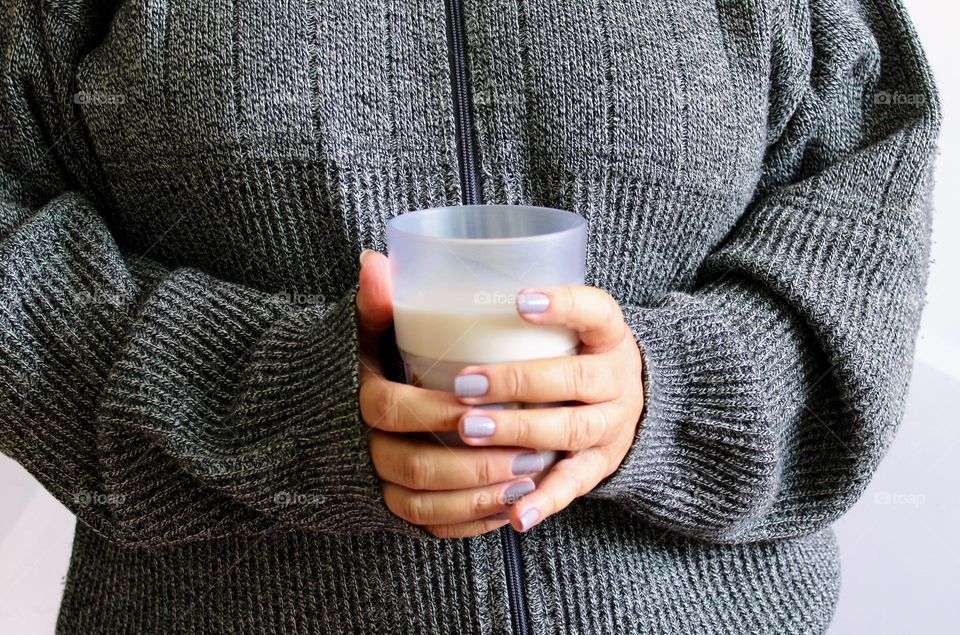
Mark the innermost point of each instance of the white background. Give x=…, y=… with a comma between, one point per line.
x=899, y=548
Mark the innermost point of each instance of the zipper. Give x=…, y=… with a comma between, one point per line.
x=510, y=541
x=470, y=189
x=462, y=98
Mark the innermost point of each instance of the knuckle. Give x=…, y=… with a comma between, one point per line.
x=578, y=486
x=572, y=301
x=571, y=422
x=414, y=508
x=600, y=424
x=575, y=488
x=388, y=406
x=462, y=530
x=522, y=428
x=416, y=472
x=578, y=430
x=516, y=380
x=483, y=526
x=441, y=531
x=583, y=377
x=485, y=471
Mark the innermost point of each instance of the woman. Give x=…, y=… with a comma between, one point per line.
x=185, y=192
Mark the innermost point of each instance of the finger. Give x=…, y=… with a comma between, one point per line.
x=591, y=312
x=420, y=465
x=456, y=506
x=395, y=407
x=568, y=428
x=467, y=530
x=374, y=305
x=586, y=378
x=568, y=479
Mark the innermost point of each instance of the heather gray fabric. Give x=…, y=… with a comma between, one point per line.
x=185, y=189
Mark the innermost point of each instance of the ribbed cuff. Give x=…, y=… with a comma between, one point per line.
x=705, y=459
x=255, y=398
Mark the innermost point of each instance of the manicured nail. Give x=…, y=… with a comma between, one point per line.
x=477, y=427
x=532, y=302
x=363, y=254
x=528, y=517
x=516, y=490
x=527, y=464
x=471, y=385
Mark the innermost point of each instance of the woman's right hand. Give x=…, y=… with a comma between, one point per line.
x=451, y=491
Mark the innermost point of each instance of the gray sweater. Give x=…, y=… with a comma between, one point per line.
x=185, y=188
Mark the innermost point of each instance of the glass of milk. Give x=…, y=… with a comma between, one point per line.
x=456, y=272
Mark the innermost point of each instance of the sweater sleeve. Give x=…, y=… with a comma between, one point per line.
x=160, y=405
x=776, y=385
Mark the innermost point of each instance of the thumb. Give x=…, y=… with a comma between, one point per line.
x=374, y=305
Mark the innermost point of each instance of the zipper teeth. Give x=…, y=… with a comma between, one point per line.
x=511, y=551
x=463, y=115
x=470, y=195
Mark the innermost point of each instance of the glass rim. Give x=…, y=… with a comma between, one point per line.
x=577, y=223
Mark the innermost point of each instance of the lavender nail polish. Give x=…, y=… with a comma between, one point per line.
x=513, y=492
x=478, y=427
x=527, y=464
x=532, y=303
x=528, y=518
x=471, y=385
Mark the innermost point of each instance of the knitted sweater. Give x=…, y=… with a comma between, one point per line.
x=185, y=188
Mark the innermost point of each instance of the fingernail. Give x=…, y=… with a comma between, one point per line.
x=516, y=490
x=532, y=303
x=477, y=427
x=528, y=517
x=471, y=385
x=527, y=464
x=363, y=254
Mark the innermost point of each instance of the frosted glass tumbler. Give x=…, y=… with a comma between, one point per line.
x=456, y=272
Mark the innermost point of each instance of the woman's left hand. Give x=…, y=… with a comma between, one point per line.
x=605, y=378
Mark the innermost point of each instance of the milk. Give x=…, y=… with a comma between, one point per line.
x=476, y=335
x=437, y=344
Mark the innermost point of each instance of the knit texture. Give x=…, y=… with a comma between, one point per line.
x=184, y=190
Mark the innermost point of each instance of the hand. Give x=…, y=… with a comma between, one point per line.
x=450, y=491
x=605, y=377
